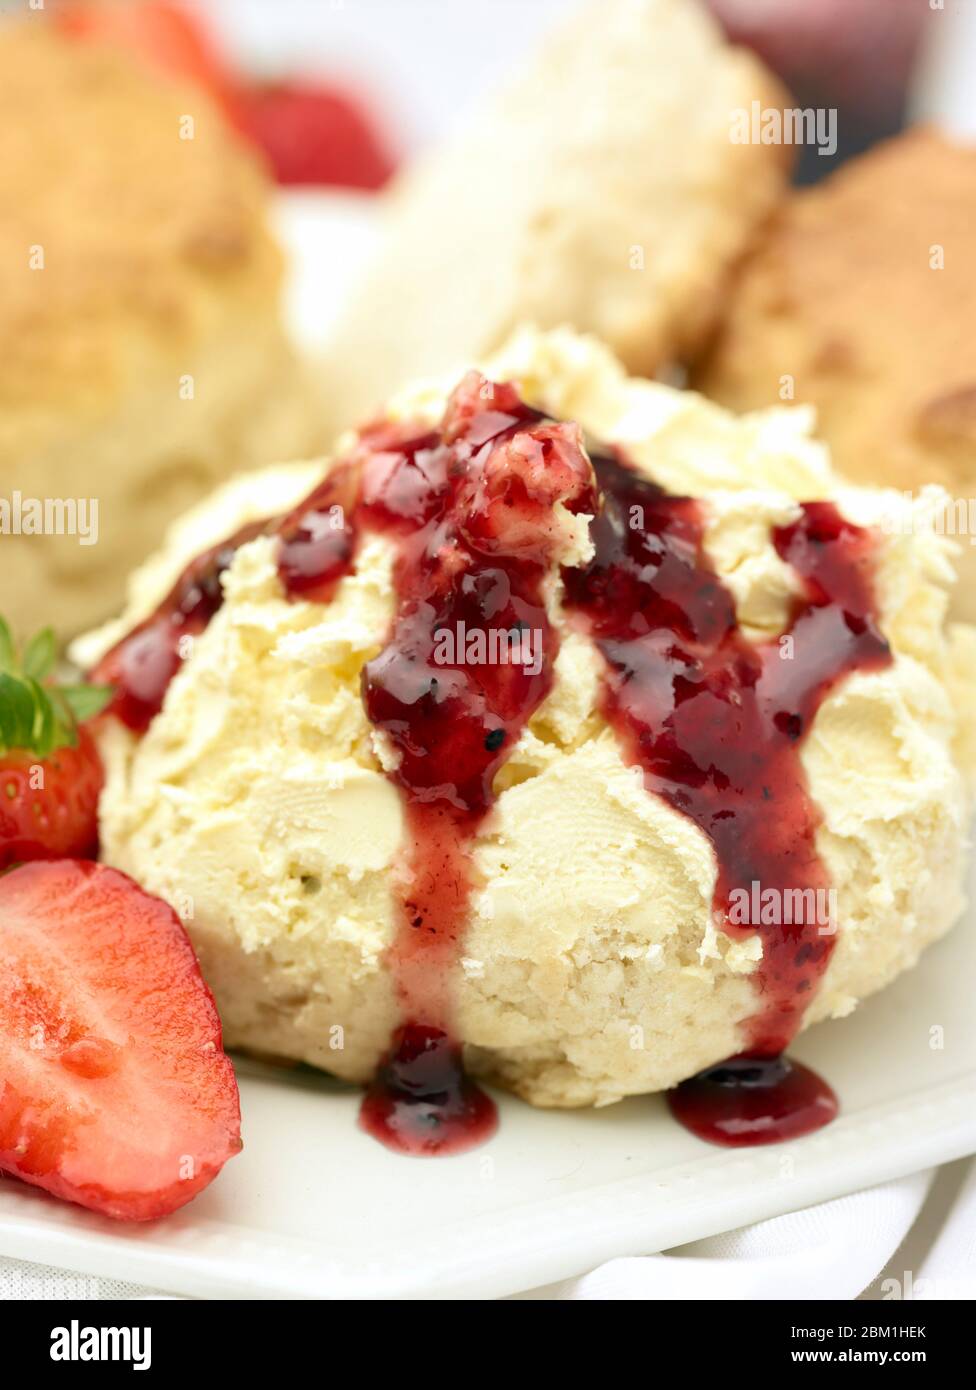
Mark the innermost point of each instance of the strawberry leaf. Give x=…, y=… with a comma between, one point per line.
x=40, y=655
x=36, y=714
x=85, y=701
x=8, y=654
x=47, y=733
x=16, y=712
x=65, y=720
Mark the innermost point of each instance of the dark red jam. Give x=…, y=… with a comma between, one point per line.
x=715, y=722
x=422, y=1102
x=142, y=665
x=469, y=659
x=753, y=1100
x=317, y=541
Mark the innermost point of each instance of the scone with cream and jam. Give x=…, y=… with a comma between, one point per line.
x=566, y=722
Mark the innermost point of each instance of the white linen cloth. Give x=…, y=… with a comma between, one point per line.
x=913, y=1238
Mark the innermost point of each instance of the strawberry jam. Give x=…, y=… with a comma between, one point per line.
x=317, y=541
x=714, y=721
x=142, y=665
x=469, y=659
x=753, y=1100
x=422, y=1102
x=716, y=724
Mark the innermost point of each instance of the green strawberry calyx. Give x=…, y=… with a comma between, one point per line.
x=38, y=714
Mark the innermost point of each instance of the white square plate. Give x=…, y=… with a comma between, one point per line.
x=314, y=1208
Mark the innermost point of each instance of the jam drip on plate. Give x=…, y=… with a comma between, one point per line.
x=753, y=1100
x=716, y=723
x=422, y=1101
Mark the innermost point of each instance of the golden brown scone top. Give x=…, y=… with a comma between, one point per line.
x=844, y=297
x=144, y=235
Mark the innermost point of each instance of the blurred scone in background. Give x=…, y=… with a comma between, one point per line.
x=142, y=357
x=860, y=301
x=599, y=189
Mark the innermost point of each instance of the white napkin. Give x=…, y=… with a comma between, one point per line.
x=837, y=1250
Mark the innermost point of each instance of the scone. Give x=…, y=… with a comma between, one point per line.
x=602, y=189
x=545, y=851
x=141, y=353
x=861, y=301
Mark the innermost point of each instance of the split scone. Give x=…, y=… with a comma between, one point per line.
x=141, y=353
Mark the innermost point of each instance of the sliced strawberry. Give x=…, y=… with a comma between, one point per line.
x=114, y=1089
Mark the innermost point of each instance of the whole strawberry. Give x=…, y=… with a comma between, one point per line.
x=50, y=772
x=313, y=133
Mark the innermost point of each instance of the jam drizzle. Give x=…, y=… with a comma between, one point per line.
x=144, y=663
x=473, y=514
x=715, y=722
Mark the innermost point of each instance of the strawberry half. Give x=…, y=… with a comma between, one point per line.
x=115, y=1091
x=50, y=771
